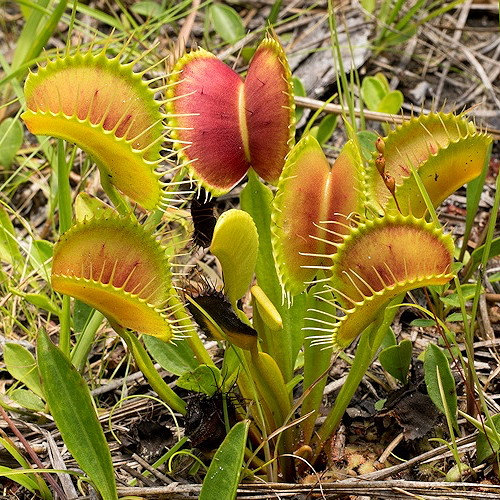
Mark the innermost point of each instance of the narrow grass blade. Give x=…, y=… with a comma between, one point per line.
x=474, y=190
x=71, y=406
x=29, y=45
x=223, y=475
x=21, y=478
x=32, y=481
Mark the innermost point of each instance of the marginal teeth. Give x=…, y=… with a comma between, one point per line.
x=376, y=262
x=106, y=109
x=130, y=285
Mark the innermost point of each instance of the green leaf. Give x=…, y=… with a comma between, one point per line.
x=389, y=339
x=223, y=475
x=468, y=292
x=423, y=322
x=227, y=23
x=71, y=406
x=457, y=316
x=22, y=366
x=9, y=249
x=147, y=8
x=383, y=80
x=236, y=243
x=366, y=141
x=41, y=301
x=372, y=92
x=494, y=278
x=11, y=139
x=436, y=362
x=326, y=128
x=391, y=102
x=204, y=378
x=396, y=360
x=369, y=5
x=486, y=447
x=176, y=357
x=256, y=199
x=87, y=206
x=27, y=399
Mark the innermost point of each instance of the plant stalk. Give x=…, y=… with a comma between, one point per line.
x=81, y=350
x=146, y=366
x=65, y=216
x=369, y=343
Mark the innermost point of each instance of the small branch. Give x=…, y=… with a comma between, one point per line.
x=337, y=109
x=33, y=455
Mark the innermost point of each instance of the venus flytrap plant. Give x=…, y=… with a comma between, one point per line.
x=331, y=251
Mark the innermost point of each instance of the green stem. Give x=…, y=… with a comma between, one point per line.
x=369, y=343
x=283, y=345
x=248, y=388
x=316, y=361
x=271, y=386
x=65, y=216
x=81, y=350
x=147, y=368
x=65, y=325
x=119, y=203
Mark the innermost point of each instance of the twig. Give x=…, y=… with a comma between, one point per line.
x=58, y=463
x=151, y=469
x=380, y=489
x=33, y=455
x=137, y=475
x=337, y=109
x=115, y=384
x=382, y=459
